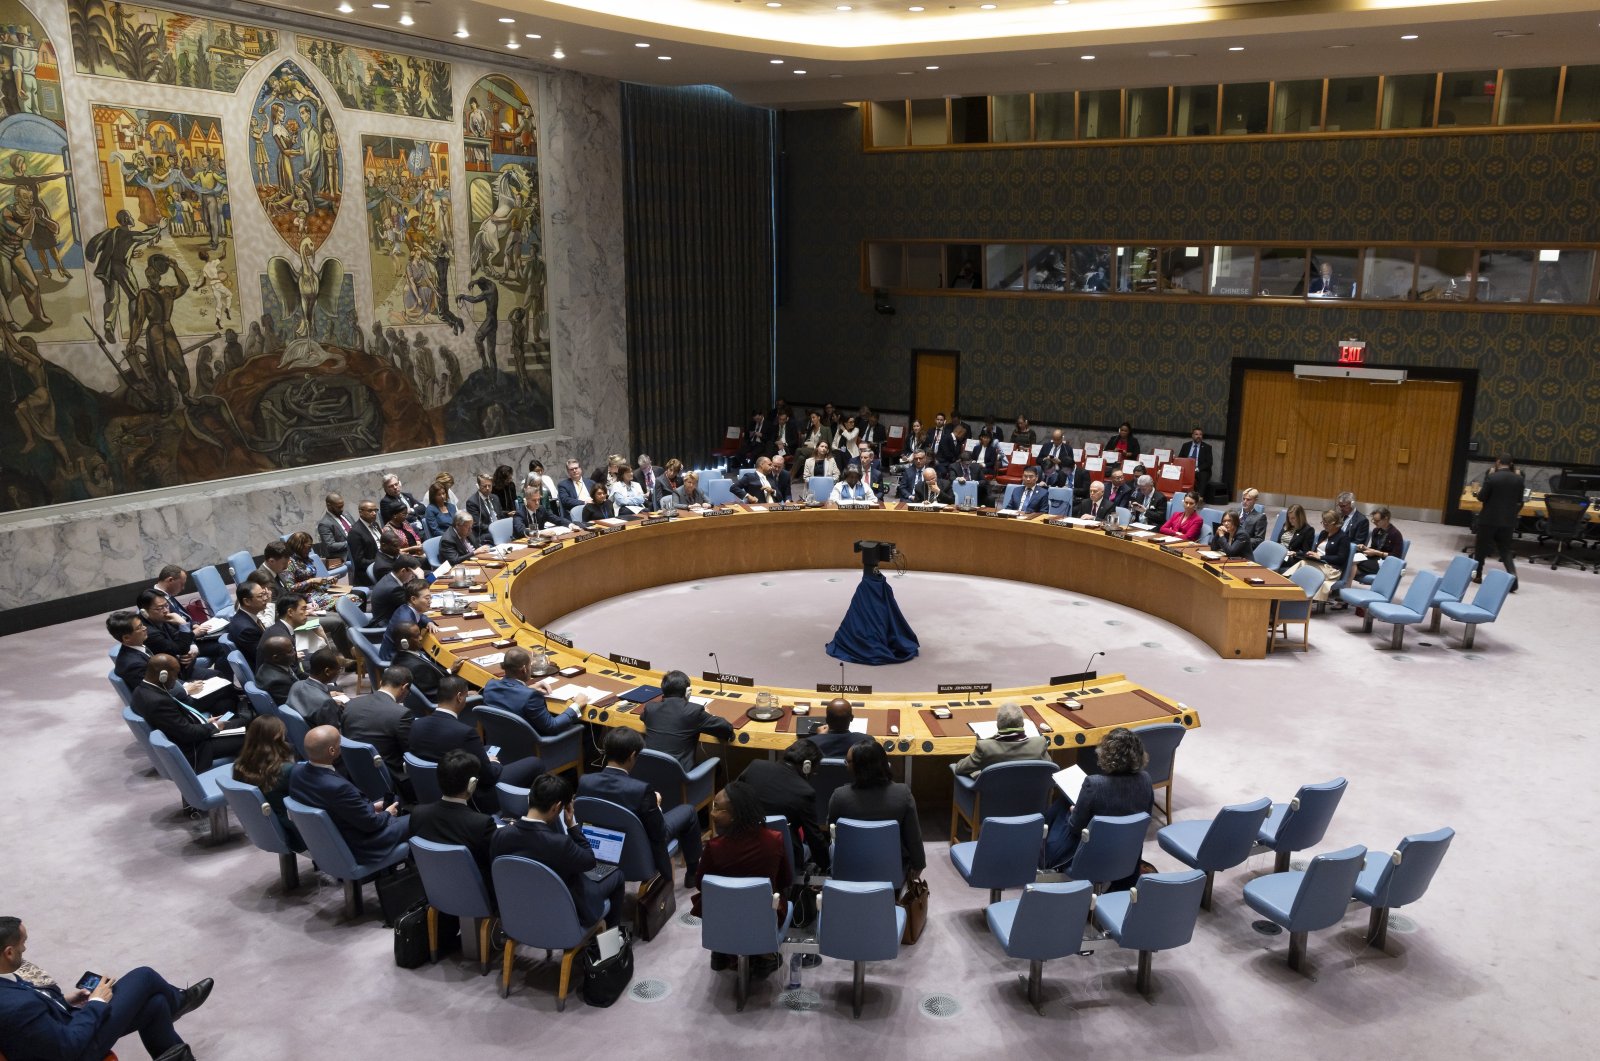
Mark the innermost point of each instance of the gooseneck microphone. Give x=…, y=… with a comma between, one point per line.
x=1085, y=679
x=718, y=663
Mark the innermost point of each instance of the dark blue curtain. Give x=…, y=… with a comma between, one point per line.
x=698, y=173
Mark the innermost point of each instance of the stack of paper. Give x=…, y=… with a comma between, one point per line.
x=758, y=508
x=493, y=659
x=570, y=690
x=1070, y=781
x=210, y=626
x=1209, y=555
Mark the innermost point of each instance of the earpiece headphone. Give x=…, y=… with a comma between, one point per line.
x=163, y=676
x=805, y=768
x=405, y=646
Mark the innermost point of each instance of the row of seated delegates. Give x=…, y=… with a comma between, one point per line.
x=442, y=731
x=170, y=624
x=41, y=1022
x=287, y=568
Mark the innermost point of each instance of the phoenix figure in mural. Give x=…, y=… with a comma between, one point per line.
x=308, y=286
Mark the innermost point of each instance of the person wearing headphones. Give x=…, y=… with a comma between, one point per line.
x=441, y=731
x=452, y=820
x=787, y=787
x=167, y=708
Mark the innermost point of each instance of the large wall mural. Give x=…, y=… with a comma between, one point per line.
x=409, y=229
x=167, y=47
x=386, y=82
x=294, y=157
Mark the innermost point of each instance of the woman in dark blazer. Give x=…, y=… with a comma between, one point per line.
x=1121, y=787
x=872, y=796
x=1227, y=540
x=1297, y=536
x=1123, y=440
x=265, y=762
x=1331, y=552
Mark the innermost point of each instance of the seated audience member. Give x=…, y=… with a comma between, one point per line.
x=547, y=485
x=1124, y=441
x=1024, y=434
x=968, y=469
x=649, y=477
x=601, y=506
x=532, y=515
x=414, y=612
x=452, y=820
x=987, y=453
x=266, y=761
x=459, y=542
x=244, y=628
x=130, y=631
x=744, y=847
x=395, y=499
x=302, y=571
x=448, y=481
x=813, y=433
x=627, y=492
x=275, y=567
x=689, y=493
x=871, y=468
x=292, y=611
x=1252, y=519
x=617, y=784
x=363, y=541
x=837, y=737
x=1228, y=539
x=763, y=484
x=171, y=630
x=1098, y=505
x=333, y=531
x=941, y=443
x=549, y=834
x=425, y=673
x=1057, y=448
x=1119, y=488
x=278, y=668
x=1148, y=505
x=1121, y=787
x=572, y=492
x=442, y=731
x=1186, y=523
x=381, y=719
x=1385, y=540
x=167, y=707
x=390, y=591
x=1010, y=743
x=845, y=439
x=1198, y=450
x=1297, y=536
x=503, y=486
x=390, y=550
x=930, y=490
x=874, y=796
x=673, y=725
x=916, y=442
x=370, y=829
x=1031, y=497
x=1330, y=553
x=410, y=538
x=785, y=787
x=519, y=694
x=1351, y=519
x=911, y=476
x=440, y=515
x=667, y=481
x=315, y=697
x=852, y=489
x=45, y=1023
x=995, y=431
x=820, y=462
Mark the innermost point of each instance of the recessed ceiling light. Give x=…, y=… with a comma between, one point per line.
x=1236, y=48
x=797, y=71
x=835, y=75
x=843, y=7
x=1086, y=58
x=665, y=58
x=532, y=36
x=987, y=7
x=462, y=33
x=1061, y=3
x=1046, y=62
x=930, y=68
x=774, y=3
x=513, y=44
x=916, y=8
x=380, y=7
x=642, y=44
x=1408, y=36
x=775, y=62
x=1183, y=55
x=345, y=8
x=407, y=20
x=558, y=53
x=1338, y=47
x=505, y=21
x=904, y=73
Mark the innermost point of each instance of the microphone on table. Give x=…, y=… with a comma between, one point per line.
x=1084, y=681
x=718, y=662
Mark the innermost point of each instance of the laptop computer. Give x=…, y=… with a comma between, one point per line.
x=607, y=844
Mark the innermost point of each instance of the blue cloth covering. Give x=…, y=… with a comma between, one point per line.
x=873, y=631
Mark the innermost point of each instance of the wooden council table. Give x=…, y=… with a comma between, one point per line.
x=1532, y=508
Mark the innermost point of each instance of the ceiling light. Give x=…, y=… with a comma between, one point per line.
x=1236, y=48
x=665, y=58
x=345, y=8
x=1086, y=58
x=505, y=21
x=1408, y=36
x=532, y=36
x=987, y=7
x=774, y=3
x=775, y=62
x=407, y=20
x=513, y=44
x=930, y=68
x=1338, y=47
x=642, y=44
x=842, y=7
x=1061, y=3
x=380, y=7
x=797, y=71
x=558, y=53
x=914, y=8
x=461, y=33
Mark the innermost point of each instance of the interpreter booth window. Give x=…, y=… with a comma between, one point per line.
x=1053, y=115
x=1352, y=104
x=1297, y=107
x=1100, y=114
x=889, y=123
x=969, y=120
x=1283, y=272
x=1408, y=101
x=1580, y=96
x=1003, y=264
x=1232, y=271
x=1183, y=270
x=1506, y=276
x=1012, y=118
x=886, y=265
x=929, y=124
x=1138, y=270
x=1091, y=268
x=1445, y=274
x=1244, y=108
x=1047, y=267
x=1147, y=112
x=1194, y=110
x=1389, y=274
x=1528, y=97
x=1467, y=98
x=1333, y=272
x=925, y=266
x=964, y=266
x=1564, y=276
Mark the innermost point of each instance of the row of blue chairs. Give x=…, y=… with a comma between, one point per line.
x=1443, y=596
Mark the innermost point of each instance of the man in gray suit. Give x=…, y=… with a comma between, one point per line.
x=673, y=725
x=382, y=720
x=315, y=697
x=1010, y=743
x=1252, y=524
x=333, y=532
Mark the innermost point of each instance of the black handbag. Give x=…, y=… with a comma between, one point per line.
x=605, y=981
x=411, y=938
x=399, y=890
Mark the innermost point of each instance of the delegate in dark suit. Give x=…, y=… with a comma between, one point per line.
x=386, y=597
x=363, y=545
x=748, y=487
x=277, y=681
x=508, y=694
x=1200, y=452
x=567, y=496
x=245, y=633
x=184, y=725
x=525, y=524
x=1104, y=510
x=402, y=615
x=622, y=788
x=388, y=506
x=452, y=550
x=371, y=834
x=377, y=719
x=36, y=1024
x=892, y=803
x=1501, y=497
x=277, y=629
x=425, y=673
x=449, y=822
x=673, y=725
x=782, y=790
x=1155, y=508
x=1060, y=451
x=1034, y=500
x=333, y=541
x=434, y=735
x=1253, y=526
x=836, y=745
x=1105, y=795
x=568, y=854
x=315, y=703
x=923, y=492
x=484, y=510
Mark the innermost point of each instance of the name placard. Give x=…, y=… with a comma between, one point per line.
x=708, y=513
x=835, y=687
x=610, y=530
x=627, y=661
x=564, y=642
x=547, y=550
x=517, y=570
x=726, y=679
x=518, y=615
x=1081, y=678
x=585, y=536
x=966, y=687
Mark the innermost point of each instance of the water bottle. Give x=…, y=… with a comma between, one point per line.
x=794, y=970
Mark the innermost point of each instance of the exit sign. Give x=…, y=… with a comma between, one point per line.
x=1352, y=352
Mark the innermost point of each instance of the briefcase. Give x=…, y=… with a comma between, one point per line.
x=657, y=903
x=399, y=889
x=915, y=900
x=411, y=938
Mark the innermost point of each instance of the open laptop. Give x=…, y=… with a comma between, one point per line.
x=607, y=844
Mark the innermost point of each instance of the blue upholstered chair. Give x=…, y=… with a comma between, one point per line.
x=349, y=609
x=513, y=800
x=738, y=918
x=370, y=652
x=1413, y=609
x=333, y=856
x=1000, y=791
x=1310, y=579
x=867, y=851
x=1300, y=823
x=424, y=777
x=1060, y=501
x=1161, y=744
x=537, y=910
x=1221, y=843
x=1005, y=856
x=780, y=825
x=320, y=566
x=243, y=673
x=120, y=687
x=719, y=491
x=638, y=860
x=1485, y=606
x=830, y=774
x=141, y=732
x=1384, y=583
x=500, y=530
x=430, y=551
x=219, y=599
x=262, y=826
x=859, y=922
x=1110, y=849
x=1308, y=901
x=1277, y=525
x=1046, y=923
x=455, y=887
x=667, y=776
x=199, y=790
x=260, y=702
x=1270, y=554
x=1157, y=913
x=365, y=768
x=242, y=564
x=820, y=487
x=1399, y=878
x=966, y=493
x=1457, y=577
x=519, y=740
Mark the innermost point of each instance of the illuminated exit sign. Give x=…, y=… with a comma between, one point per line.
x=1352, y=352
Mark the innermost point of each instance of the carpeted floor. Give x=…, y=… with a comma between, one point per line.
x=1496, y=742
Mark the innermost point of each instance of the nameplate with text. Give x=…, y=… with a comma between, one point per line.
x=726, y=679
x=610, y=530
x=965, y=687
x=628, y=661
x=708, y=513
x=518, y=616
x=521, y=566
x=836, y=687
x=564, y=642
x=547, y=550
x=585, y=536
x=1081, y=678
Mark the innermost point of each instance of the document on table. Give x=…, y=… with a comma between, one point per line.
x=703, y=701
x=858, y=725
x=1070, y=781
x=209, y=686
x=985, y=730
x=570, y=690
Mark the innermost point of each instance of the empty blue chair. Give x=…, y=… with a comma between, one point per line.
x=719, y=491
x=430, y=551
x=1000, y=791
x=349, y=609
x=513, y=800
x=141, y=732
x=1384, y=583
x=1310, y=579
x=199, y=790
x=1060, y=501
x=676, y=785
x=243, y=673
x=859, y=922
x=454, y=886
x=738, y=918
x=424, y=777
x=1413, y=609
x=638, y=860
x=1157, y=913
x=1399, y=878
x=1270, y=554
x=1277, y=525
x=519, y=740
x=820, y=487
x=780, y=825
x=536, y=910
x=295, y=724
x=260, y=702
x=867, y=851
x=1005, y=856
x=1161, y=744
x=1221, y=843
x=966, y=493
x=1485, y=606
x=219, y=599
x=333, y=856
x=500, y=530
x=370, y=652
x=1046, y=923
x=1308, y=901
x=1300, y=823
x=1110, y=849
x=320, y=566
x=1452, y=587
x=262, y=826
x=366, y=768
x=831, y=773
x=242, y=564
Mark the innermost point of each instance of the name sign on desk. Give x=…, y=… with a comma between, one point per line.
x=966, y=687
x=1081, y=678
x=835, y=687
x=724, y=679
x=626, y=661
x=519, y=616
x=708, y=513
x=585, y=536
x=609, y=530
x=547, y=550
x=564, y=642
x=521, y=565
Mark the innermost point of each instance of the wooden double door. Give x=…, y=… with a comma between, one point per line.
x=1391, y=444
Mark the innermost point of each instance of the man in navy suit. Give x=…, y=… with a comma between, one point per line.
x=764, y=484
x=617, y=784
x=44, y=1022
x=549, y=834
x=673, y=725
x=1058, y=448
x=382, y=719
x=871, y=469
x=572, y=492
x=433, y=735
x=390, y=591
x=196, y=732
x=517, y=694
x=419, y=598
x=1031, y=497
x=484, y=508
x=244, y=628
x=370, y=829
x=912, y=475
x=836, y=740
x=532, y=515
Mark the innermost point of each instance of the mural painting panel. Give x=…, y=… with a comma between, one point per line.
x=294, y=157
x=141, y=43
x=384, y=82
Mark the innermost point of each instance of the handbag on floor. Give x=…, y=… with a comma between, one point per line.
x=411, y=938
x=915, y=900
x=609, y=968
x=657, y=903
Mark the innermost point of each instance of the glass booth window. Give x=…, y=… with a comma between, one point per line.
x=1047, y=267
x=1445, y=273
x=1505, y=275
x=1580, y=96
x=1100, y=114
x=1408, y=101
x=1183, y=269
x=929, y=125
x=964, y=266
x=1138, y=270
x=1283, y=272
x=925, y=266
x=1012, y=116
x=1389, y=274
x=885, y=265
x=1334, y=272
x=1147, y=112
x=1194, y=110
x=1352, y=104
x=889, y=123
x=1003, y=266
x=1054, y=115
x=1232, y=271
x=1528, y=97
x=1563, y=276
x=1091, y=268
x=969, y=120
x=1244, y=108
x=1467, y=98
x=1297, y=107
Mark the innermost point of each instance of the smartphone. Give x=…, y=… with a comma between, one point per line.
x=492, y=750
x=89, y=981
